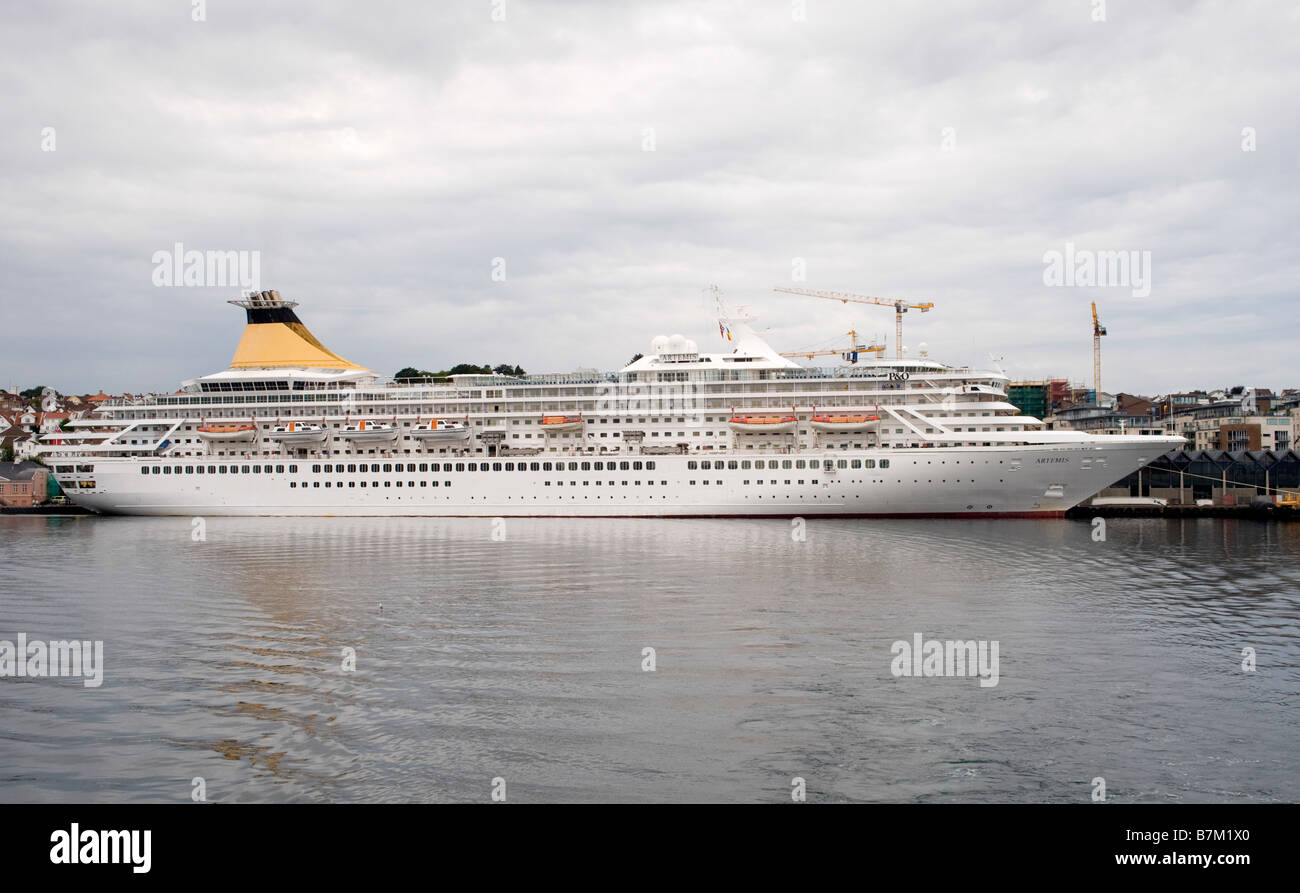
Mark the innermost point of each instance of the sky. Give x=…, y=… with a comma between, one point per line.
x=552, y=184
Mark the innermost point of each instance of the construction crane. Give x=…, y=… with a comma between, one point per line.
x=851, y=355
x=1097, y=331
x=900, y=307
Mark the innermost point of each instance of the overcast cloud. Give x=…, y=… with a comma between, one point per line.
x=380, y=155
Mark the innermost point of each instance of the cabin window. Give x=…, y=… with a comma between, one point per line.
x=279, y=469
x=786, y=463
x=649, y=466
x=388, y=467
x=257, y=469
x=167, y=469
x=884, y=463
x=799, y=464
x=691, y=466
x=315, y=469
x=144, y=469
x=546, y=466
x=600, y=466
x=870, y=463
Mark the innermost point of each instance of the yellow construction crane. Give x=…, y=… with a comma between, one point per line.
x=850, y=356
x=1097, y=331
x=900, y=307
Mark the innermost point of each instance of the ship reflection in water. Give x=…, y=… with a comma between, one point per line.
x=517, y=651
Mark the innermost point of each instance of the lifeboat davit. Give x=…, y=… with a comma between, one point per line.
x=227, y=433
x=561, y=423
x=846, y=424
x=296, y=433
x=441, y=429
x=369, y=432
x=763, y=424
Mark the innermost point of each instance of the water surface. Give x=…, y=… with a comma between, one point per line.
x=522, y=659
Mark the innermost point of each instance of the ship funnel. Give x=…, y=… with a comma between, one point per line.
x=275, y=338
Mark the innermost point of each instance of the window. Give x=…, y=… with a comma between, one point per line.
x=884, y=463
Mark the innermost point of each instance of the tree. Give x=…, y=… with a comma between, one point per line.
x=7, y=451
x=32, y=393
x=635, y=357
x=410, y=372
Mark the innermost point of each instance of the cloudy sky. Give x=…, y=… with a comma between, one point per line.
x=622, y=156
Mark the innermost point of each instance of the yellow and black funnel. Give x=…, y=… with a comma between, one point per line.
x=276, y=339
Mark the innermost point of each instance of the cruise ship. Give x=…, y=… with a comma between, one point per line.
x=292, y=428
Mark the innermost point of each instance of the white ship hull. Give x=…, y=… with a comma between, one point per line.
x=1041, y=480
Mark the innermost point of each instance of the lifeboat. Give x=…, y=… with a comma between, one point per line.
x=441, y=429
x=846, y=424
x=561, y=423
x=297, y=433
x=763, y=424
x=369, y=432
x=227, y=433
